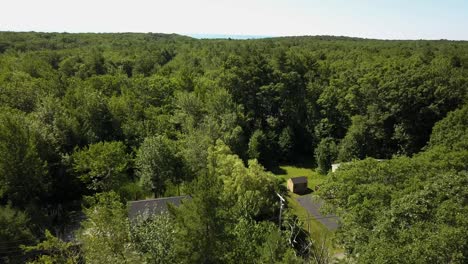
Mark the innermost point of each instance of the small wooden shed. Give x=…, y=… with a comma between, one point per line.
x=298, y=184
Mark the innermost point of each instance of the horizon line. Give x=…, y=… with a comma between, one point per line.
x=220, y=36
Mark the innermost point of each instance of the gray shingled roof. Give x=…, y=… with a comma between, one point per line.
x=297, y=180
x=153, y=206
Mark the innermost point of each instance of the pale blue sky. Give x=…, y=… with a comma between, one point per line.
x=385, y=19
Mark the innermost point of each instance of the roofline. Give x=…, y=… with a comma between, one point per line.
x=299, y=177
x=159, y=199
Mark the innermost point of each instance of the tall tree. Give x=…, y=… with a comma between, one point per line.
x=200, y=223
x=158, y=163
x=23, y=175
x=325, y=154
x=155, y=237
x=53, y=250
x=105, y=234
x=102, y=166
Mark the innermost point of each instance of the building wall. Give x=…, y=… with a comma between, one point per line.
x=290, y=186
x=335, y=166
x=300, y=188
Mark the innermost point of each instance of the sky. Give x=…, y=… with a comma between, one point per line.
x=382, y=19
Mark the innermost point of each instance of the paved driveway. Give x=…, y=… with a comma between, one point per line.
x=312, y=205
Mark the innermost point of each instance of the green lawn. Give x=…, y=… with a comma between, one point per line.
x=313, y=177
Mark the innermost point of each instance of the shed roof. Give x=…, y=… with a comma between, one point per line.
x=297, y=180
x=153, y=206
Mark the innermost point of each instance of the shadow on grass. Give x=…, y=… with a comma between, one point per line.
x=277, y=170
x=304, y=162
x=284, y=189
x=300, y=163
x=306, y=192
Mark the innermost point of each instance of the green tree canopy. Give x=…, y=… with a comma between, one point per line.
x=23, y=175
x=102, y=166
x=325, y=154
x=452, y=131
x=105, y=233
x=158, y=163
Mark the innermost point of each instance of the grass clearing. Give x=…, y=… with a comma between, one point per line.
x=314, y=178
x=316, y=229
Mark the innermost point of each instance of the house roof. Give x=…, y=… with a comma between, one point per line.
x=297, y=180
x=153, y=206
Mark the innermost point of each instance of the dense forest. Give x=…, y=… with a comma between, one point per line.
x=89, y=122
